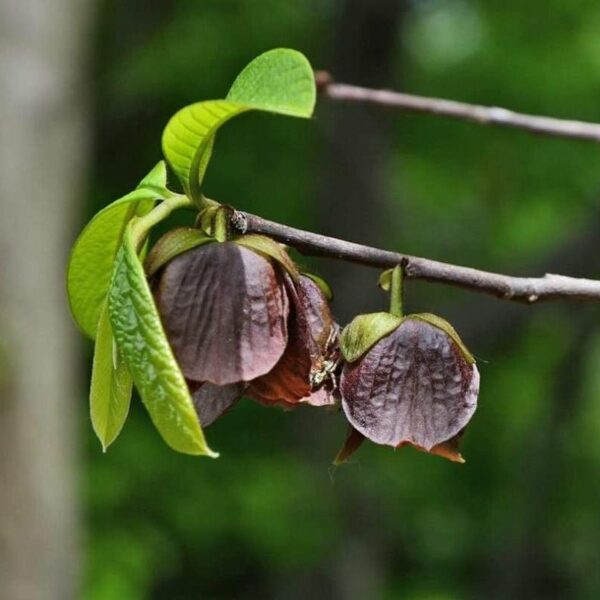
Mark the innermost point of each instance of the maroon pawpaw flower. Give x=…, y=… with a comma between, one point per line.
x=407, y=381
x=239, y=316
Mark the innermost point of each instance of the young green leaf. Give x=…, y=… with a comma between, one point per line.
x=93, y=254
x=279, y=81
x=157, y=180
x=146, y=350
x=110, y=392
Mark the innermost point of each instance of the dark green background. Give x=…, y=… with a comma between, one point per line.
x=270, y=518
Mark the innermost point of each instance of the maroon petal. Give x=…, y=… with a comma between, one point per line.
x=353, y=442
x=213, y=401
x=312, y=335
x=414, y=386
x=225, y=310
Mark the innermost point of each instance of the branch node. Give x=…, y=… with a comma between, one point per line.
x=238, y=222
x=322, y=80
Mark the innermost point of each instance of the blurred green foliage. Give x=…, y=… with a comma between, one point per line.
x=270, y=518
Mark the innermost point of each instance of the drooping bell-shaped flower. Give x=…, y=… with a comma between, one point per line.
x=239, y=316
x=407, y=381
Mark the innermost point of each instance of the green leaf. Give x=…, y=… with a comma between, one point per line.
x=172, y=244
x=144, y=346
x=279, y=81
x=448, y=329
x=157, y=179
x=93, y=254
x=110, y=392
x=364, y=332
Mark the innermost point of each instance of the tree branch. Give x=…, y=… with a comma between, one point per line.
x=483, y=115
x=521, y=289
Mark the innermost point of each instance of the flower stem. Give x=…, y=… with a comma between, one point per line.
x=397, y=291
x=221, y=224
x=156, y=215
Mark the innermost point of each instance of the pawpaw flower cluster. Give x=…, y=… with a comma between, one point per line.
x=241, y=319
x=406, y=381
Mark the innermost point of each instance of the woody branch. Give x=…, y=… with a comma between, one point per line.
x=521, y=289
x=483, y=115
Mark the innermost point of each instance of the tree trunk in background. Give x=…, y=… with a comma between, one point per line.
x=42, y=161
x=353, y=187
x=356, y=207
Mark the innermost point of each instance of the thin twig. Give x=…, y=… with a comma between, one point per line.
x=484, y=115
x=520, y=289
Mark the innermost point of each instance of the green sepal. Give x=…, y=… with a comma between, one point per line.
x=385, y=280
x=92, y=256
x=270, y=248
x=144, y=346
x=280, y=81
x=206, y=218
x=111, y=385
x=448, y=329
x=364, y=331
x=321, y=284
x=172, y=244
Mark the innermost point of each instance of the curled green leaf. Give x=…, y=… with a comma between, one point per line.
x=364, y=332
x=143, y=344
x=93, y=254
x=111, y=386
x=279, y=81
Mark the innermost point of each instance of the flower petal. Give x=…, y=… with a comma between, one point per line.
x=225, y=312
x=312, y=334
x=414, y=386
x=213, y=401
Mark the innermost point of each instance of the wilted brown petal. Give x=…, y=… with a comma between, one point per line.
x=213, y=401
x=312, y=333
x=353, y=442
x=225, y=310
x=449, y=450
x=414, y=386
